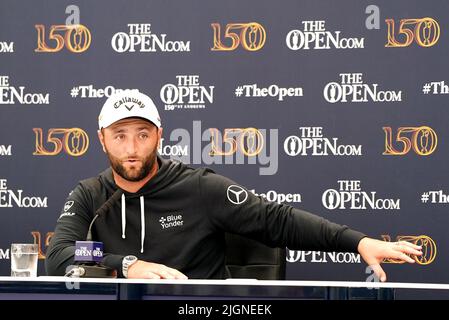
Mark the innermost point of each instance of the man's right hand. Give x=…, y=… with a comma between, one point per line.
x=149, y=270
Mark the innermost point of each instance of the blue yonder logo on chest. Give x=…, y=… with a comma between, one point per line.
x=170, y=221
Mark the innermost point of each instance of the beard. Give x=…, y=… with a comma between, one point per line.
x=134, y=173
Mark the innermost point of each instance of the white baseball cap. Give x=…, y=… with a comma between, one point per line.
x=126, y=104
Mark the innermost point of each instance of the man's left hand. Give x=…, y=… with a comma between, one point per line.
x=375, y=251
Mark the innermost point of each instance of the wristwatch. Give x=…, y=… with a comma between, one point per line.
x=126, y=263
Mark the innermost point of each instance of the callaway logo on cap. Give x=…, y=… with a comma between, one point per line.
x=127, y=104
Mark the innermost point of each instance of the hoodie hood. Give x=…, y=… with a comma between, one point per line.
x=168, y=171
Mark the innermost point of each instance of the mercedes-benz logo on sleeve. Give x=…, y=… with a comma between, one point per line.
x=236, y=194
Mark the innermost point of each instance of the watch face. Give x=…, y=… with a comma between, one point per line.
x=130, y=258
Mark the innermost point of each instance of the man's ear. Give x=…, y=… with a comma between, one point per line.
x=101, y=138
x=159, y=137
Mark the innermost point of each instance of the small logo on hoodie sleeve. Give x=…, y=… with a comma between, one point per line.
x=67, y=214
x=236, y=194
x=68, y=205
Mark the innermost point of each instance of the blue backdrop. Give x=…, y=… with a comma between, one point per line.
x=338, y=108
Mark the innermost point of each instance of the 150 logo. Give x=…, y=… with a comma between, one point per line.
x=74, y=141
x=38, y=240
x=76, y=38
x=251, y=36
x=425, y=32
x=423, y=140
x=230, y=146
x=250, y=141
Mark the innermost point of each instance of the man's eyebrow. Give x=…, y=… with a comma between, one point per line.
x=118, y=129
x=144, y=128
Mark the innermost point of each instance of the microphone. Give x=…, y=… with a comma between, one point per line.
x=90, y=253
x=102, y=210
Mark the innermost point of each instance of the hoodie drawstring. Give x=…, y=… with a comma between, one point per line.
x=142, y=221
x=123, y=216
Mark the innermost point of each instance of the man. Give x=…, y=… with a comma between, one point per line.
x=171, y=219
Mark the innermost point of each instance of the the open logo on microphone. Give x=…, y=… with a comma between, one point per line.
x=88, y=251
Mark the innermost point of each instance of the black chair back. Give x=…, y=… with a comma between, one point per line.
x=247, y=258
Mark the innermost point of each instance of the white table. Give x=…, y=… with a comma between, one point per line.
x=62, y=287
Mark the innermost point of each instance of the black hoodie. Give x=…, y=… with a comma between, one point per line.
x=179, y=219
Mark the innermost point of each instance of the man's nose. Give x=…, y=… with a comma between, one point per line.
x=131, y=146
